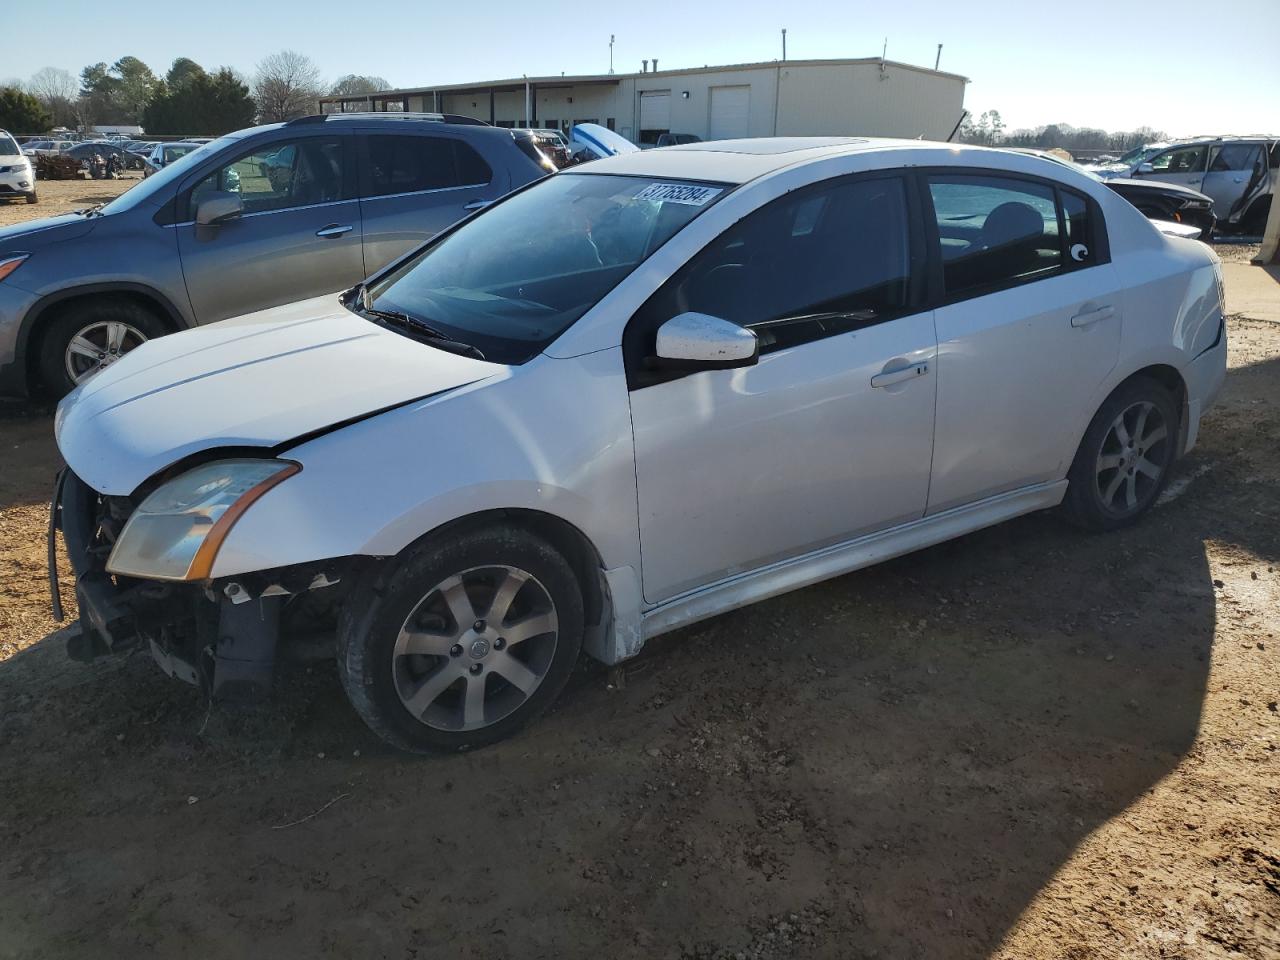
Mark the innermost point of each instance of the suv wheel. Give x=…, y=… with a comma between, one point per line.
x=1125, y=458
x=32, y=197
x=460, y=642
x=86, y=339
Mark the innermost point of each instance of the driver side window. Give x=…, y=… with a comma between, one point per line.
x=817, y=262
x=278, y=176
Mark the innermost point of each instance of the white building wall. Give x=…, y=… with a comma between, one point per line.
x=813, y=99
x=862, y=100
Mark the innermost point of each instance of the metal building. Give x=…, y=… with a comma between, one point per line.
x=867, y=97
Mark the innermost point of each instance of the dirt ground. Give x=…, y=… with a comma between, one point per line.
x=1027, y=743
x=64, y=196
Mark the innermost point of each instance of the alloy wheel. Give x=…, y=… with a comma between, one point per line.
x=1133, y=458
x=99, y=345
x=475, y=648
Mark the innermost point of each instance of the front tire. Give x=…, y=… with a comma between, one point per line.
x=32, y=197
x=88, y=337
x=1125, y=458
x=462, y=640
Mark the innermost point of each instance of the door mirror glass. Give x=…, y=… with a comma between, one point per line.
x=701, y=341
x=1146, y=168
x=218, y=206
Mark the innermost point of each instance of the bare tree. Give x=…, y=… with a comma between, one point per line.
x=53, y=85
x=354, y=84
x=286, y=85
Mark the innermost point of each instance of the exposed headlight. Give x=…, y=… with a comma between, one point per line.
x=176, y=533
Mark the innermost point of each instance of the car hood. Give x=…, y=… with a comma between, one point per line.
x=1156, y=186
x=259, y=380
x=49, y=230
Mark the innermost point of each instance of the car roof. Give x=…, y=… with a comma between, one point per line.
x=739, y=161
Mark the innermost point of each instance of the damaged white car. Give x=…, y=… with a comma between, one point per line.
x=626, y=398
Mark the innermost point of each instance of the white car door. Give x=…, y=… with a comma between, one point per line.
x=830, y=434
x=1028, y=330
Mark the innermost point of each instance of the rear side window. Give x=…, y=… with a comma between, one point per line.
x=994, y=231
x=1235, y=156
x=400, y=164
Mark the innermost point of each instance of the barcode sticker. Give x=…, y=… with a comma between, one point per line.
x=678, y=193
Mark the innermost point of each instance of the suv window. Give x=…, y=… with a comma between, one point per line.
x=822, y=260
x=1182, y=160
x=400, y=164
x=1235, y=156
x=277, y=176
x=997, y=231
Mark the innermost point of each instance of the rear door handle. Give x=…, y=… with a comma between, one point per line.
x=334, y=230
x=477, y=204
x=908, y=372
x=1086, y=317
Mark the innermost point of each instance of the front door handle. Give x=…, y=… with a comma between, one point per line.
x=1086, y=317
x=899, y=374
x=334, y=230
x=477, y=204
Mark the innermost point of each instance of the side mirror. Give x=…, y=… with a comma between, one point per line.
x=1146, y=168
x=217, y=207
x=699, y=341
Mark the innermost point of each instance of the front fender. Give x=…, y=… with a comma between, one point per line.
x=555, y=437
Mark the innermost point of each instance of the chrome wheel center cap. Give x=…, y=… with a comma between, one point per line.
x=479, y=648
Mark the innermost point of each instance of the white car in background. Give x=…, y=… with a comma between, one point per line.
x=626, y=398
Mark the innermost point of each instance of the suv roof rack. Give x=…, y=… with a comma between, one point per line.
x=398, y=115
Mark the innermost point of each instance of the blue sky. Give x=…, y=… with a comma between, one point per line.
x=1185, y=67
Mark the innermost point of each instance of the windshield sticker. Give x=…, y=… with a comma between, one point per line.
x=678, y=193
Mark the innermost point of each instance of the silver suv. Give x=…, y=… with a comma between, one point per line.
x=1239, y=173
x=258, y=218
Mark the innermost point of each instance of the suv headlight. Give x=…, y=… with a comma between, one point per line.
x=176, y=532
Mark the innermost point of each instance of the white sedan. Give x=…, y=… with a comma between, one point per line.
x=631, y=396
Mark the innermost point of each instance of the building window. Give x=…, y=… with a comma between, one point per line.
x=609, y=122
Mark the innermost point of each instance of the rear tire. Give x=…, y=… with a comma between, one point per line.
x=461, y=640
x=1125, y=458
x=90, y=335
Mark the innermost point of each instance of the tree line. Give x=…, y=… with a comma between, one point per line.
x=988, y=129
x=187, y=99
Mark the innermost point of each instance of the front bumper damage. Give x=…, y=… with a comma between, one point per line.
x=220, y=635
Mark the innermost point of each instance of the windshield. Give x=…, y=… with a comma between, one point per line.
x=1138, y=154
x=146, y=189
x=8, y=146
x=514, y=278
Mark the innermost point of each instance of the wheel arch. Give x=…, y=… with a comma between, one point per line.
x=51, y=305
x=1168, y=377
x=565, y=537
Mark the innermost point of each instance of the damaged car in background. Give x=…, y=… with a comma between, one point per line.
x=637, y=394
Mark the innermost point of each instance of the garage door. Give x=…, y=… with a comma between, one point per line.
x=655, y=114
x=730, y=109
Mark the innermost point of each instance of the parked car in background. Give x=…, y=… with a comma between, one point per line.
x=85, y=151
x=34, y=148
x=643, y=392
x=163, y=154
x=1239, y=173
x=17, y=174
x=553, y=144
x=257, y=218
x=1164, y=203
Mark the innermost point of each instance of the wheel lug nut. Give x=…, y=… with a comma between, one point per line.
x=499, y=643
x=476, y=668
x=455, y=650
x=478, y=626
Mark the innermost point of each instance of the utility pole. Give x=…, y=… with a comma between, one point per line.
x=937, y=60
x=784, y=43
x=611, y=52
